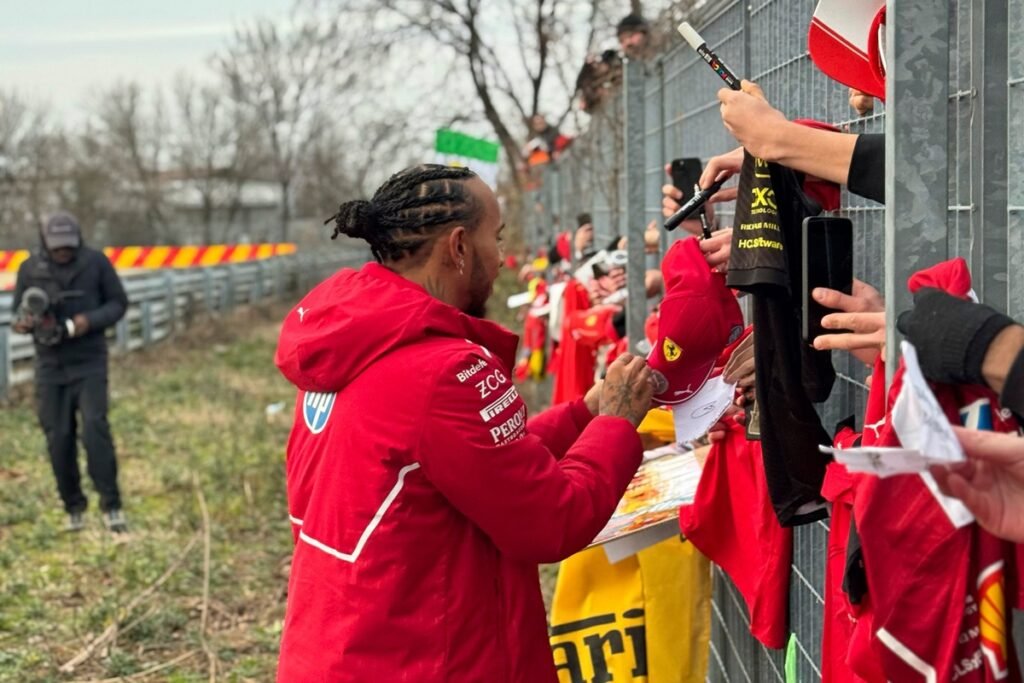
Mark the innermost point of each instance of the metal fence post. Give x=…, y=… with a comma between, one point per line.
x=916, y=155
x=121, y=333
x=208, y=290
x=1015, y=159
x=274, y=265
x=172, y=302
x=147, y=322
x=228, y=301
x=666, y=154
x=632, y=222
x=989, y=98
x=258, y=284
x=6, y=363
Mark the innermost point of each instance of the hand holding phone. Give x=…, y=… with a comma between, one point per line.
x=856, y=322
x=685, y=174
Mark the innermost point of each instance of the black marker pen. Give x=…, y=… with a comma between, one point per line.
x=691, y=207
x=698, y=44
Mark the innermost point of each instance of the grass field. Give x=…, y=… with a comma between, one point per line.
x=190, y=421
x=189, y=418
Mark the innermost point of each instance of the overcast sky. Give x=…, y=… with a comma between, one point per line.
x=59, y=51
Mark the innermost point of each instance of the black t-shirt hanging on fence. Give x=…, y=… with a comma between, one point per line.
x=758, y=255
x=791, y=376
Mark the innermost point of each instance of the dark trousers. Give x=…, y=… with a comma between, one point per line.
x=57, y=407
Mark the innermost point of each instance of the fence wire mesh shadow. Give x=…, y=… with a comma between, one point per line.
x=766, y=41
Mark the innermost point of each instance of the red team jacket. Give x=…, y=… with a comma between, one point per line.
x=420, y=498
x=940, y=596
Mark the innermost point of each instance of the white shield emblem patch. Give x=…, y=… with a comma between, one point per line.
x=316, y=409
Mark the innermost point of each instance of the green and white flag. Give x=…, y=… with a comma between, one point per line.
x=456, y=149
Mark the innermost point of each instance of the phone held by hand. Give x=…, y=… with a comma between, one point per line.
x=685, y=174
x=826, y=261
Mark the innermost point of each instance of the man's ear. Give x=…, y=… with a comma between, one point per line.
x=457, y=246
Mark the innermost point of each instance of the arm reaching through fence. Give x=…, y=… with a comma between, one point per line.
x=857, y=161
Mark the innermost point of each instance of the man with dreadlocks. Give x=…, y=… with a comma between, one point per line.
x=421, y=499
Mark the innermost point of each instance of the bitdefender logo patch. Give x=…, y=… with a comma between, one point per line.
x=316, y=409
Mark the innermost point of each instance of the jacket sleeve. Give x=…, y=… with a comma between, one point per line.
x=115, y=301
x=476, y=450
x=19, y=289
x=558, y=427
x=867, y=167
x=1013, y=388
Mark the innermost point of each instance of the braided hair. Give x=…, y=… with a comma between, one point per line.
x=408, y=210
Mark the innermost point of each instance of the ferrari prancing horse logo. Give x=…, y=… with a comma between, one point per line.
x=671, y=350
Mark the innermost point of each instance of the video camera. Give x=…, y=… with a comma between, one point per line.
x=36, y=312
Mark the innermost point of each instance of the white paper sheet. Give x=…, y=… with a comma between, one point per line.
x=884, y=461
x=695, y=416
x=926, y=437
x=521, y=299
x=918, y=418
x=921, y=424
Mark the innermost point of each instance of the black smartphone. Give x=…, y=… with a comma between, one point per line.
x=685, y=174
x=826, y=261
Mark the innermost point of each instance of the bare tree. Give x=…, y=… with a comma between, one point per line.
x=337, y=167
x=132, y=133
x=215, y=152
x=89, y=189
x=509, y=85
x=28, y=156
x=286, y=78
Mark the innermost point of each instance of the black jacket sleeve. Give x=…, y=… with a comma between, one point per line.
x=115, y=301
x=19, y=289
x=1013, y=388
x=867, y=168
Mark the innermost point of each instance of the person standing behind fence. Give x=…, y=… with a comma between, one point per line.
x=634, y=35
x=66, y=295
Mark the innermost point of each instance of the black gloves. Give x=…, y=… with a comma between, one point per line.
x=951, y=335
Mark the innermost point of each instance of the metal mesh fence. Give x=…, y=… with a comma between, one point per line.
x=1014, y=230
x=766, y=41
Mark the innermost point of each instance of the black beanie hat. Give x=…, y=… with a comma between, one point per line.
x=632, y=23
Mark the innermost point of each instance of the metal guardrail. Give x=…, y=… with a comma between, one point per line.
x=163, y=302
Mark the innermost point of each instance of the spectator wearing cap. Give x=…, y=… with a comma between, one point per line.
x=83, y=297
x=634, y=36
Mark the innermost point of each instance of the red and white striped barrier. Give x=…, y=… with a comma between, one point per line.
x=151, y=258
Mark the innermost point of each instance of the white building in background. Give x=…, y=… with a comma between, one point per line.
x=241, y=212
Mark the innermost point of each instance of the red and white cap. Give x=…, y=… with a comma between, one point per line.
x=952, y=276
x=846, y=40
x=698, y=318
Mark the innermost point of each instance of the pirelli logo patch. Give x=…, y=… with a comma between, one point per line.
x=498, y=407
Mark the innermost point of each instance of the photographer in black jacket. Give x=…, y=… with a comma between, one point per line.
x=66, y=295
